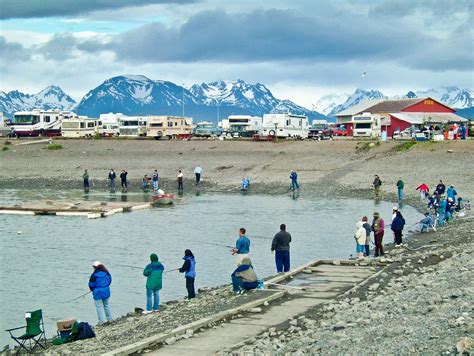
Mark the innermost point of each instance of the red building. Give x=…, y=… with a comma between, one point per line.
x=401, y=114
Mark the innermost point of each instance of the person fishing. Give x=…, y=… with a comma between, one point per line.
x=427, y=223
x=451, y=193
x=377, y=183
x=397, y=227
x=242, y=246
x=99, y=283
x=360, y=238
x=378, y=226
x=198, y=173
x=294, y=180
x=154, y=282
x=440, y=188
x=281, y=246
x=85, y=178
x=424, y=190
x=145, y=182
x=123, y=179
x=244, y=277
x=368, y=230
x=441, y=209
x=189, y=270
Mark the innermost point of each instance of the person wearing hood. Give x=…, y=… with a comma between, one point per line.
x=451, y=193
x=378, y=226
x=244, y=277
x=360, y=238
x=397, y=227
x=154, y=282
x=99, y=284
x=441, y=207
x=189, y=270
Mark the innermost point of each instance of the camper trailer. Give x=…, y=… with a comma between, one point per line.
x=366, y=125
x=132, y=126
x=80, y=126
x=285, y=125
x=38, y=122
x=242, y=125
x=169, y=127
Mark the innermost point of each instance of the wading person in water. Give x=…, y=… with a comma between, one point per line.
x=154, y=282
x=85, y=178
x=123, y=179
x=377, y=183
x=111, y=178
x=189, y=270
x=198, y=173
x=242, y=246
x=400, y=186
x=99, y=284
x=281, y=246
x=179, y=178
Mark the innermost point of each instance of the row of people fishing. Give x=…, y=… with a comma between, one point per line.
x=243, y=277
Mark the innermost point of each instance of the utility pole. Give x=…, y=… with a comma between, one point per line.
x=183, y=100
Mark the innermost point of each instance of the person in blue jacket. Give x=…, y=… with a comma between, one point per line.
x=451, y=193
x=245, y=184
x=427, y=223
x=99, y=284
x=294, y=180
x=244, y=277
x=189, y=270
x=441, y=207
x=242, y=246
x=398, y=223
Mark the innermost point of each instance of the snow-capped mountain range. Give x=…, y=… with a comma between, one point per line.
x=451, y=95
x=139, y=95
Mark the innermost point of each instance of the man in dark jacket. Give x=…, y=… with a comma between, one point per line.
x=189, y=270
x=112, y=177
x=397, y=227
x=281, y=246
x=377, y=184
x=440, y=188
x=123, y=179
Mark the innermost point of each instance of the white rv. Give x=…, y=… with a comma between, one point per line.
x=285, y=125
x=169, y=127
x=132, y=126
x=110, y=124
x=243, y=125
x=38, y=122
x=80, y=126
x=366, y=125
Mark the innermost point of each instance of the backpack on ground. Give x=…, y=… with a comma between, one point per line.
x=85, y=331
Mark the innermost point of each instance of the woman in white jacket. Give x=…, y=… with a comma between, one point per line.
x=360, y=237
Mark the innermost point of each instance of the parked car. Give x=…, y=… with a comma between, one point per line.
x=339, y=131
x=320, y=132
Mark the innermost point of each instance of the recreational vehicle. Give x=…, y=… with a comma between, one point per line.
x=37, y=123
x=80, y=126
x=285, y=125
x=207, y=129
x=243, y=125
x=169, y=127
x=132, y=126
x=366, y=125
x=109, y=129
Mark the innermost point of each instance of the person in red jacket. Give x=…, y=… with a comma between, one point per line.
x=424, y=190
x=378, y=226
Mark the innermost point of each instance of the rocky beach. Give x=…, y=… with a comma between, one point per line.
x=420, y=303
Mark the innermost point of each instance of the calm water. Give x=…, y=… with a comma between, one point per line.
x=50, y=261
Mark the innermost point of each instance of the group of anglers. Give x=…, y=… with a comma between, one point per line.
x=146, y=183
x=243, y=277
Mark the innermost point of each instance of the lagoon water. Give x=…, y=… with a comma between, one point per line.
x=50, y=261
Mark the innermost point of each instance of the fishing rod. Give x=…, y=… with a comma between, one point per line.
x=129, y=266
x=214, y=244
x=171, y=270
x=260, y=237
x=81, y=296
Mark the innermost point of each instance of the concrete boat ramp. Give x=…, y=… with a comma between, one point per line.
x=89, y=209
x=287, y=297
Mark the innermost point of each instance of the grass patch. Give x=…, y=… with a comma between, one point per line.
x=405, y=146
x=364, y=146
x=97, y=136
x=5, y=148
x=55, y=147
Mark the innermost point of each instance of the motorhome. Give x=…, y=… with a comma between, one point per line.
x=366, y=125
x=169, y=127
x=109, y=129
x=285, y=125
x=38, y=122
x=132, y=126
x=80, y=126
x=207, y=129
x=242, y=125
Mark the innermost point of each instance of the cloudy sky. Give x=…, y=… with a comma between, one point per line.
x=300, y=49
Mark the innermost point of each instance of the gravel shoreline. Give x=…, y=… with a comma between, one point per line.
x=325, y=168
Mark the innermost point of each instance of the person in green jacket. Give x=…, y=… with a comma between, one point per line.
x=154, y=281
x=400, y=186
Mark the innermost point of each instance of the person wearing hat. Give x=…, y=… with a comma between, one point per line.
x=394, y=212
x=378, y=226
x=154, y=282
x=99, y=284
x=397, y=227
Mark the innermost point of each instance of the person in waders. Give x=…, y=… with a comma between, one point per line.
x=123, y=179
x=377, y=183
x=154, y=282
x=397, y=227
x=378, y=226
x=400, y=187
x=111, y=178
x=155, y=178
x=242, y=246
x=85, y=178
x=189, y=270
x=294, y=180
x=179, y=178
